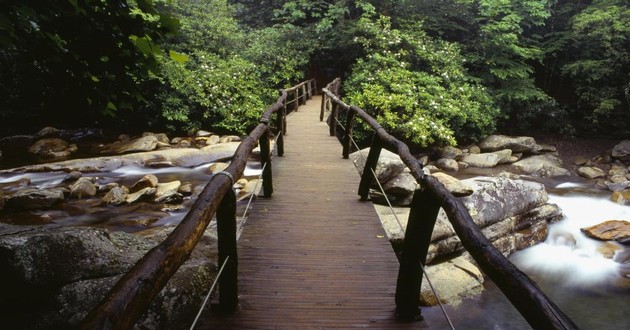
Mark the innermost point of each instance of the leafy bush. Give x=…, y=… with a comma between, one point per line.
x=417, y=87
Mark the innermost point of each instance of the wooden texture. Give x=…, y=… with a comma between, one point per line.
x=314, y=255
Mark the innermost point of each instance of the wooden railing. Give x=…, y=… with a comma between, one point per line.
x=133, y=293
x=523, y=293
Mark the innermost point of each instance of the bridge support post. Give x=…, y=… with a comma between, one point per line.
x=296, y=104
x=280, y=123
x=226, y=232
x=370, y=165
x=265, y=160
x=347, y=141
x=334, y=116
x=423, y=214
x=321, y=113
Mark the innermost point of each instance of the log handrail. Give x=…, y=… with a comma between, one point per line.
x=132, y=294
x=539, y=311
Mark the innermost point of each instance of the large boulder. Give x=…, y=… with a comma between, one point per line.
x=34, y=199
x=403, y=184
x=145, y=143
x=518, y=144
x=541, y=165
x=58, y=274
x=455, y=186
x=622, y=150
x=389, y=164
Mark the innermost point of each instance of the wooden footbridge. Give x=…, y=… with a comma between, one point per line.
x=315, y=254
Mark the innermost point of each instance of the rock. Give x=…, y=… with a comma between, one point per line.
x=456, y=187
x=423, y=160
x=389, y=164
x=546, y=148
x=608, y=250
x=42, y=256
x=622, y=151
x=221, y=151
x=612, y=230
x=454, y=280
x=449, y=152
x=19, y=183
x=72, y=176
x=230, y=138
x=202, y=133
x=34, y=199
x=590, y=172
x=616, y=179
x=618, y=186
x=116, y=196
x=474, y=149
x=184, y=144
x=213, y=139
x=52, y=148
x=447, y=164
x=505, y=156
x=217, y=167
x=147, y=181
x=580, y=161
x=545, y=165
x=517, y=144
x=168, y=193
x=143, y=194
x=621, y=197
x=186, y=189
x=401, y=185
x=462, y=165
x=107, y=187
x=161, y=137
x=497, y=198
x=146, y=143
x=484, y=160
x=47, y=132
x=252, y=187
x=84, y=187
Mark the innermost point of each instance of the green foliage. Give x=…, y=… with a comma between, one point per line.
x=416, y=86
x=64, y=61
x=599, y=64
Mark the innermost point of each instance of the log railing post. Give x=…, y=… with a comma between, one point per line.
x=265, y=160
x=423, y=214
x=296, y=99
x=334, y=115
x=370, y=165
x=280, y=121
x=305, y=96
x=226, y=237
x=321, y=113
x=347, y=142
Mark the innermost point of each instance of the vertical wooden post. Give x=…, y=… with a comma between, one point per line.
x=280, y=128
x=296, y=102
x=321, y=113
x=226, y=232
x=370, y=164
x=347, y=142
x=265, y=160
x=333, y=119
x=423, y=214
x=304, y=94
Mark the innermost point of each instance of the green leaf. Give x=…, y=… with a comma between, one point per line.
x=178, y=57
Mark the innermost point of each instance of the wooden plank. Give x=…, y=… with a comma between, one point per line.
x=313, y=255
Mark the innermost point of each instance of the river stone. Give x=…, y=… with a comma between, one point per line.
x=251, y=187
x=402, y=184
x=230, y=138
x=622, y=151
x=447, y=164
x=52, y=148
x=497, y=198
x=612, y=230
x=580, y=161
x=161, y=137
x=116, y=196
x=186, y=189
x=505, y=156
x=140, y=195
x=456, y=187
x=590, y=172
x=202, y=133
x=474, y=149
x=545, y=165
x=621, y=197
x=389, y=164
x=524, y=144
x=449, y=152
x=145, y=143
x=453, y=280
x=217, y=167
x=168, y=193
x=34, y=199
x=84, y=187
x=147, y=181
x=484, y=160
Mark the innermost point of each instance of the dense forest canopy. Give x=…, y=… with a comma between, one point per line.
x=433, y=71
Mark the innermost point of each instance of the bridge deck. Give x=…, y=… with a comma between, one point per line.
x=313, y=255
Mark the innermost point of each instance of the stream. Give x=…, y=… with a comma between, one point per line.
x=567, y=267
